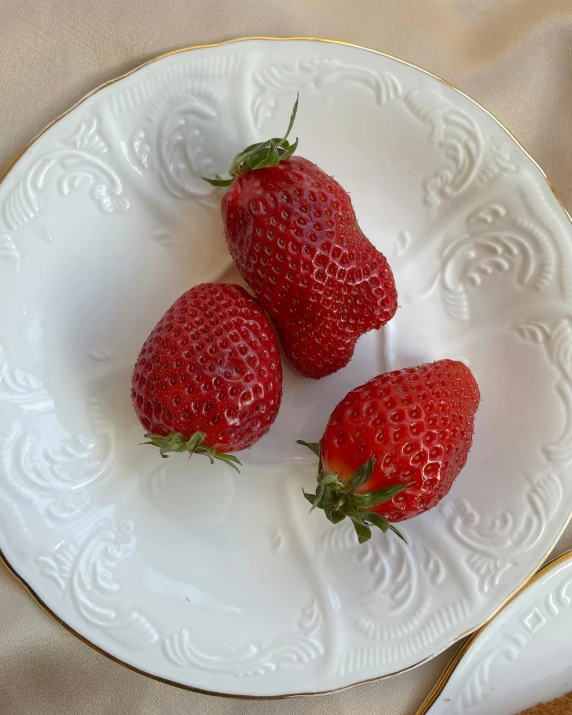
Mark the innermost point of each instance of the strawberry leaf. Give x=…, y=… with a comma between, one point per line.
x=315, y=447
x=310, y=497
x=336, y=517
x=322, y=488
x=380, y=496
x=288, y=150
x=261, y=155
x=360, y=477
x=362, y=530
x=212, y=454
x=376, y=519
x=195, y=441
x=218, y=181
x=175, y=442
x=292, y=117
x=396, y=531
x=339, y=500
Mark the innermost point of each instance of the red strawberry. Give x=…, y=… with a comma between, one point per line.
x=293, y=234
x=209, y=376
x=393, y=447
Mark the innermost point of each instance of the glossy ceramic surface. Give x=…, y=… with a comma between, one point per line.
x=220, y=581
x=522, y=657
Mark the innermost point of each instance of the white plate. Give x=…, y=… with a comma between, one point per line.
x=220, y=581
x=521, y=658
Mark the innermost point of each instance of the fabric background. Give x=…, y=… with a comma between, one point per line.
x=512, y=56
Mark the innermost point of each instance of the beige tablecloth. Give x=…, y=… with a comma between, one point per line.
x=513, y=56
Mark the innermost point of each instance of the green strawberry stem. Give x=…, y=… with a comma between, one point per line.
x=261, y=155
x=175, y=442
x=339, y=500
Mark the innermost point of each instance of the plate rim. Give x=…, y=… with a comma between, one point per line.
x=472, y=632
x=455, y=661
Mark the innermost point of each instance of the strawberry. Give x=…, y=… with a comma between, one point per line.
x=393, y=447
x=293, y=234
x=209, y=376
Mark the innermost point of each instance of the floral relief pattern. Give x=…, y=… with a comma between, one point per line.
x=557, y=343
x=396, y=612
x=82, y=160
x=178, y=103
x=296, y=649
x=59, y=475
x=21, y=388
x=496, y=543
x=495, y=243
x=179, y=151
x=205, y=69
x=55, y=481
x=469, y=159
x=9, y=251
x=507, y=648
x=88, y=569
x=274, y=81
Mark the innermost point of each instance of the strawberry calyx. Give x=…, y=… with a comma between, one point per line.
x=175, y=442
x=260, y=155
x=339, y=500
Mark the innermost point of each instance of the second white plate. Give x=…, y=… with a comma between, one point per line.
x=521, y=658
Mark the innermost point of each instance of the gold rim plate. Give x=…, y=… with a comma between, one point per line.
x=532, y=578
x=447, y=674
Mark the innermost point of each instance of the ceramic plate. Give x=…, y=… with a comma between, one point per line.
x=224, y=582
x=521, y=658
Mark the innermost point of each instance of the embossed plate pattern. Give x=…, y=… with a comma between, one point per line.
x=220, y=581
x=521, y=658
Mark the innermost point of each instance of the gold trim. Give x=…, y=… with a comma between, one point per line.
x=530, y=579
x=438, y=688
